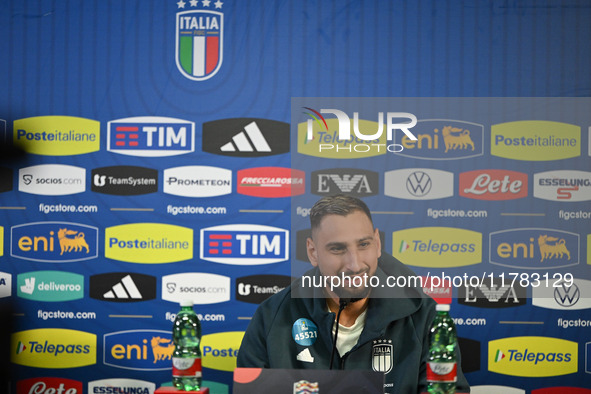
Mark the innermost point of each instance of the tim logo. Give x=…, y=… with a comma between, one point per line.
x=151, y=136
x=352, y=181
x=440, y=139
x=244, y=244
x=534, y=248
x=199, y=39
x=54, y=242
x=142, y=350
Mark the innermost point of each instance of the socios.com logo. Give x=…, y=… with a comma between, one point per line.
x=142, y=350
x=50, y=286
x=57, y=135
x=437, y=247
x=533, y=356
x=444, y=139
x=201, y=288
x=219, y=351
x=535, y=140
x=534, y=248
x=53, y=348
x=54, y=242
x=148, y=243
x=52, y=180
x=244, y=244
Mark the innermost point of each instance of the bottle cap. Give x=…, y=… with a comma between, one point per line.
x=442, y=307
x=186, y=303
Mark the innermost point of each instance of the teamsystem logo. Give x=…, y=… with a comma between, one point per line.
x=124, y=180
x=317, y=138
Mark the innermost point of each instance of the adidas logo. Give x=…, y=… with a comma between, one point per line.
x=126, y=288
x=249, y=140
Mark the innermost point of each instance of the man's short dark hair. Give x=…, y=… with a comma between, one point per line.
x=339, y=204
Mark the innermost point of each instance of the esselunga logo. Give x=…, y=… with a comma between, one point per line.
x=119, y=386
x=219, y=350
x=54, y=242
x=533, y=356
x=57, y=135
x=534, y=248
x=149, y=243
x=444, y=139
x=437, y=247
x=142, y=350
x=53, y=348
x=50, y=286
x=535, y=140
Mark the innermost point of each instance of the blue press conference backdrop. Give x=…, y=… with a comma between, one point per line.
x=150, y=129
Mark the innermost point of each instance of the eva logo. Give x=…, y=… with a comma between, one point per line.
x=5, y=284
x=563, y=295
x=565, y=186
x=54, y=242
x=149, y=243
x=271, y=182
x=53, y=348
x=535, y=140
x=244, y=244
x=533, y=356
x=534, y=248
x=419, y=184
x=50, y=286
x=52, y=180
x=117, y=386
x=57, y=135
x=199, y=287
x=352, y=181
x=492, y=293
x=441, y=139
x=151, y=136
x=197, y=181
x=493, y=185
x=48, y=385
x=221, y=349
x=437, y=247
x=141, y=350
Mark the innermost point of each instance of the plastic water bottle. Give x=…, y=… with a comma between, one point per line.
x=442, y=363
x=186, y=358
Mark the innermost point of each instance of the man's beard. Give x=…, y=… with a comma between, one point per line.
x=352, y=293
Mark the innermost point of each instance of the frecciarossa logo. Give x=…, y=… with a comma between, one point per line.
x=271, y=182
x=54, y=242
x=148, y=243
x=533, y=356
x=53, y=348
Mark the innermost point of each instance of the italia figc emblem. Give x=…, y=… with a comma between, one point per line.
x=199, y=40
x=382, y=355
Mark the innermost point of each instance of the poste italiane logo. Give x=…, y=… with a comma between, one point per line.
x=148, y=243
x=53, y=348
x=219, y=351
x=535, y=140
x=437, y=247
x=57, y=135
x=533, y=356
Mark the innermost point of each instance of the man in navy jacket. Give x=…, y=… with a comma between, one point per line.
x=381, y=328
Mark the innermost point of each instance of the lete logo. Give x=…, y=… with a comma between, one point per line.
x=493, y=185
x=49, y=385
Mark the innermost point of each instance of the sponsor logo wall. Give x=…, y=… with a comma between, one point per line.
x=160, y=156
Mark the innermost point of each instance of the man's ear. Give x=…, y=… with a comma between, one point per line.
x=376, y=235
x=312, y=252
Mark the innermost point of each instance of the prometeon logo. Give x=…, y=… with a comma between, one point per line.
x=493, y=293
x=52, y=180
x=533, y=356
x=141, y=350
x=271, y=182
x=564, y=186
x=246, y=137
x=197, y=181
x=352, y=181
x=54, y=242
x=124, y=180
x=50, y=286
x=535, y=140
x=57, y=135
x=123, y=287
x=444, y=139
x=244, y=244
x=534, y=248
x=199, y=34
x=151, y=136
x=419, y=184
x=493, y=185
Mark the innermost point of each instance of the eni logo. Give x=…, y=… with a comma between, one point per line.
x=71, y=240
x=144, y=350
x=456, y=138
x=552, y=247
